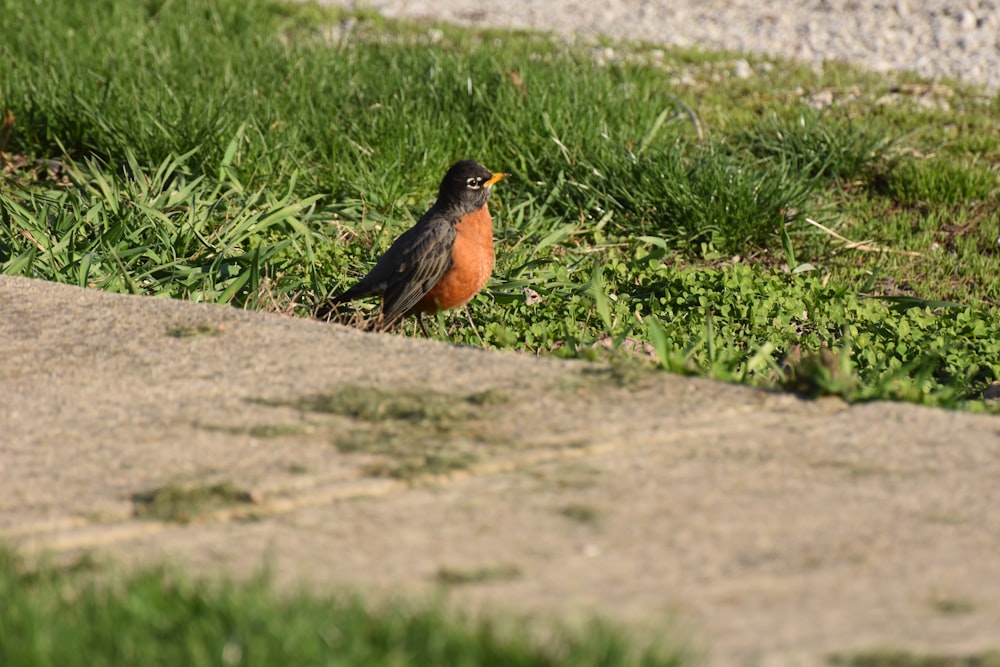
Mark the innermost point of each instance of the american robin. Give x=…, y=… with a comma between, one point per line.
x=442, y=261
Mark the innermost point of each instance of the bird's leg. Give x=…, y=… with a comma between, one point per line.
x=420, y=321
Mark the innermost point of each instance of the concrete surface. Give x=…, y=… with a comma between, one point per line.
x=763, y=528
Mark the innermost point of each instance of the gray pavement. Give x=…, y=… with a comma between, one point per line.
x=935, y=38
x=757, y=526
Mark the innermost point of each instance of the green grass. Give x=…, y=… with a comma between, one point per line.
x=263, y=154
x=88, y=616
x=890, y=658
x=185, y=503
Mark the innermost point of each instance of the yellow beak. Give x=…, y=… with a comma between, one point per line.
x=499, y=176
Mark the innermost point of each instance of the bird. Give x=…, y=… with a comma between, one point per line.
x=441, y=262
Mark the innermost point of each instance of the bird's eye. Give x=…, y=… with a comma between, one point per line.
x=475, y=183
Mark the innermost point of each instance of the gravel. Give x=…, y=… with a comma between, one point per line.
x=935, y=38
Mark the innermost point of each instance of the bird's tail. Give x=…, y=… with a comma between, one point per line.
x=326, y=310
x=332, y=311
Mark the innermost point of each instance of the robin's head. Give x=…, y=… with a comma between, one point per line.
x=467, y=185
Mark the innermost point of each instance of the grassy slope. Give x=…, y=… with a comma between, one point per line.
x=234, y=152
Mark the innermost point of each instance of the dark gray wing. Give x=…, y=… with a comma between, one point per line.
x=412, y=265
x=415, y=263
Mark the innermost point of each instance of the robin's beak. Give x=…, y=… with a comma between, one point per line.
x=499, y=176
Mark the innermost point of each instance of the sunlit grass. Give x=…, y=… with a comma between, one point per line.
x=263, y=155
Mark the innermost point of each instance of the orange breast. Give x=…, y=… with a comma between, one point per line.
x=472, y=265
